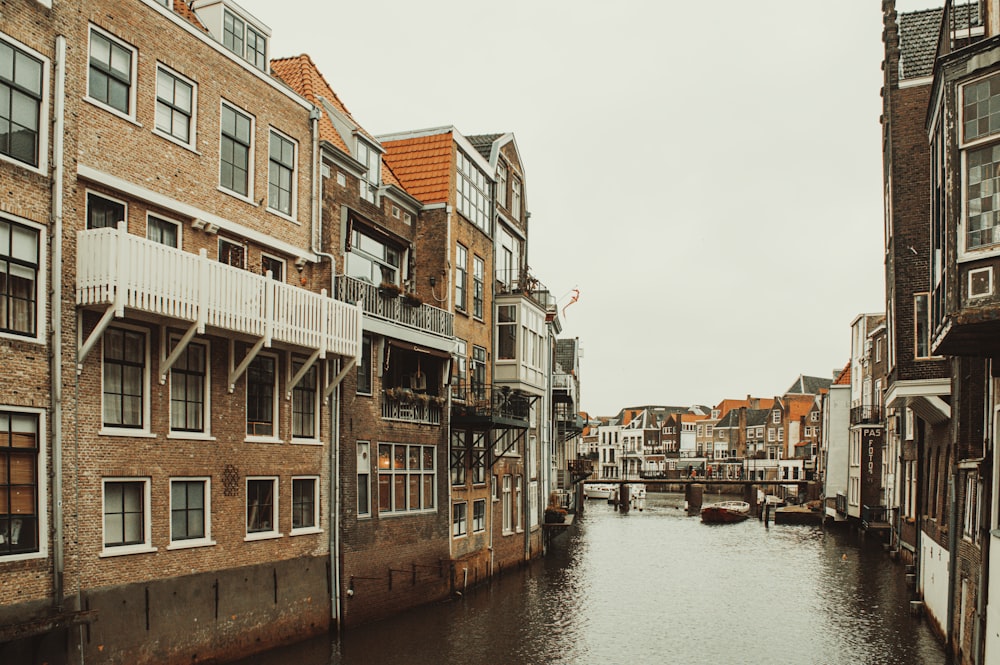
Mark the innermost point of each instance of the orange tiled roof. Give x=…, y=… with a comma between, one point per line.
x=799, y=406
x=844, y=378
x=423, y=165
x=692, y=417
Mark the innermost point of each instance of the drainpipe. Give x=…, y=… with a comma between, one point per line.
x=953, y=552
x=58, y=131
x=989, y=491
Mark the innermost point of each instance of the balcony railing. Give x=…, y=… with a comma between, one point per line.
x=875, y=516
x=867, y=415
x=483, y=401
x=581, y=467
x=411, y=407
x=395, y=308
x=129, y=272
x=841, y=502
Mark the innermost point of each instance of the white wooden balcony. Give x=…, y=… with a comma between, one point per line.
x=126, y=272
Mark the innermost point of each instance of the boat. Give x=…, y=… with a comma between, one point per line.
x=725, y=512
x=598, y=491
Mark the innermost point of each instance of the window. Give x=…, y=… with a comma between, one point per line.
x=507, y=332
x=982, y=179
x=19, y=264
x=770, y=434
x=479, y=515
x=341, y=179
x=776, y=416
x=175, y=104
x=781, y=434
x=188, y=389
x=305, y=403
x=472, y=192
x=921, y=326
x=479, y=372
x=458, y=465
x=124, y=378
x=461, y=275
x=189, y=509
x=262, y=507
x=364, y=478
x=459, y=519
x=478, y=275
x=244, y=40
x=365, y=367
x=110, y=72
x=305, y=507
x=368, y=156
x=232, y=254
x=406, y=478
x=518, y=502
x=814, y=416
x=502, y=183
x=509, y=259
x=273, y=265
x=103, y=212
x=459, y=368
x=162, y=231
x=508, y=505
x=280, y=174
x=479, y=461
x=20, y=490
x=126, y=514
x=235, y=146
x=261, y=392
x=372, y=260
x=515, y=198
x=21, y=107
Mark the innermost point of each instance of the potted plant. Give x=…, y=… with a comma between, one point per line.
x=413, y=300
x=389, y=290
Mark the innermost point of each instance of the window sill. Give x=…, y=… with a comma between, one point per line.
x=30, y=339
x=126, y=550
x=40, y=170
x=132, y=433
x=267, y=535
x=284, y=216
x=190, y=436
x=306, y=442
x=190, y=544
x=237, y=195
x=112, y=110
x=458, y=536
x=262, y=439
x=23, y=557
x=176, y=141
x=309, y=531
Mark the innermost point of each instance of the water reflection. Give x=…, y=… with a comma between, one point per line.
x=659, y=587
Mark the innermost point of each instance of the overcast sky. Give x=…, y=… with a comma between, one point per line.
x=708, y=175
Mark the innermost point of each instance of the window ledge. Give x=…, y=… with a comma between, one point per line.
x=286, y=217
x=459, y=536
x=237, y=195
x=125, y=550
x=23, y=557
x=30, y=339
x=266, y=535
x=112, y=110
x=131, y=433
x=306, y=442
x=306, y=531
x=190, y=544
x=191, y=436
x=262, y=439
x=176, y=141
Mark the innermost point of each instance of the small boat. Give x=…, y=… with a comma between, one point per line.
x=725, y=512
x=598, y=491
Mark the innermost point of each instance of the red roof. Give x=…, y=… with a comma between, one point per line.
x=423, y=165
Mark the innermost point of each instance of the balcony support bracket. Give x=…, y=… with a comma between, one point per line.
x=95, y=335
x=235, y=374
x=301, y=373
x=348, y=366
x=167, y=361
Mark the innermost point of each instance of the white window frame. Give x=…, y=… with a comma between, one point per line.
x=117, y=430
x=460, y=519
x=160, y=218
x=251, y=152
x=305, y=530
x=43, y=112
x=206, y=432
x=508, y=504
x=138, y=548
x=234, y=243
x=516, y=186
x=41, y=283
x=502, y=183
x=41, y=470
x=275, y=436
x=274, y=532
x=294, y=194
x=371, y=180
x=989, y=291
x=188, y=543
x=290, y=365
x=986, y=250
x=480, y=526
x=776, y=416
x=133, y=79
x=192, y=141
x=244, y=51
x=101, y=195
x=364, y=467
x=276, y=259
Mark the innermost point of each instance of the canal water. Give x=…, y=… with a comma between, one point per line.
x=658, y=586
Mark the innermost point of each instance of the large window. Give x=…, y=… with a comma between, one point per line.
x=175, y=104
x=458, y=455
x=103, y=212
x=502, y=183
x=478, y=286
x=479, y=372
x=369, y=184
x=19, y=263
x=189, y=389
x=460, y=364
x=364, y=478
x=189, y=510
x=472, y=193
x=235, y=144
x=406, y=478
x=262, y=507
x=479, y=515
x=261, y=392
x=506, y=332
x=124, y=378
x=372, y=260
x=244, y=40
x=305, y=402
x=21, y=108
x=461, y=276
x=921, y=326
x=126, y=518
x=365, y=367
x=515, y=198
x=20, y=494
x=281, y=174
x=459, y=519
x=981, y=119
x=479, y=460
x=110, y=72
x=305, y=504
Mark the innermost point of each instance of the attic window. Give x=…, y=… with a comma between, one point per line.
x=368, y=156
x=243, y=40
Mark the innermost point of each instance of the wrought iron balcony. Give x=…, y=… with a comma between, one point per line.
x=580, y=469
x=413, y=407
x=126, y=271
x=395, y=307
x=484, y=402
x=867, y=415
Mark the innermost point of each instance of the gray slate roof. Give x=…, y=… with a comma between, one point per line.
x=918, y=36
x=809, y=385
x=757, y=417
x=483, y=143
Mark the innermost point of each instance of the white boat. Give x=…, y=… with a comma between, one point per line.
x=598, y=491
x=725, y=512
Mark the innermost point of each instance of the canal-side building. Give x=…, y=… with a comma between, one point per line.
x=866, y=423
x=394, y=523
x=834, y=451
x=571, y=462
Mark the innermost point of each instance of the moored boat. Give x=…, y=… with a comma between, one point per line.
x=598, y=491
x=725, y=512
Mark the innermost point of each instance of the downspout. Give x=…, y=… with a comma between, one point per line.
x=56, y=360
x=952, y=551
x=985, y=518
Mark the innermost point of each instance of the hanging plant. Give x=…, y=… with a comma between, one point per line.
x=389, y=290
x=413, y=300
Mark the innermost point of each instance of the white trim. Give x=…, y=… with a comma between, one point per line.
x=275, y=510
x=206, y=433
x=293, y=213
x=989, y=290
x=274, y=436
x=139, y=548
x=130, y=115
x=86, y=205
x=189, y=543
x=42, y=474
x=119, y=430
x=43, y=110
x=41, y=284
x=315, y=528
x=182, y=208
x=179, y=225
x=251, y=152
x=317, y=405
x=192, y=142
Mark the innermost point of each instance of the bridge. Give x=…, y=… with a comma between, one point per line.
x=660, y=484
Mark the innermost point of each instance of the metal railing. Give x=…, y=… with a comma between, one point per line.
x=867, y=415
x=395, y=307
x=412, y=407
x=485, y=401
x=872, y=515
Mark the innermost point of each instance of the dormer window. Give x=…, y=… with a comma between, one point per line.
x=369, y=183
x=244, y=40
